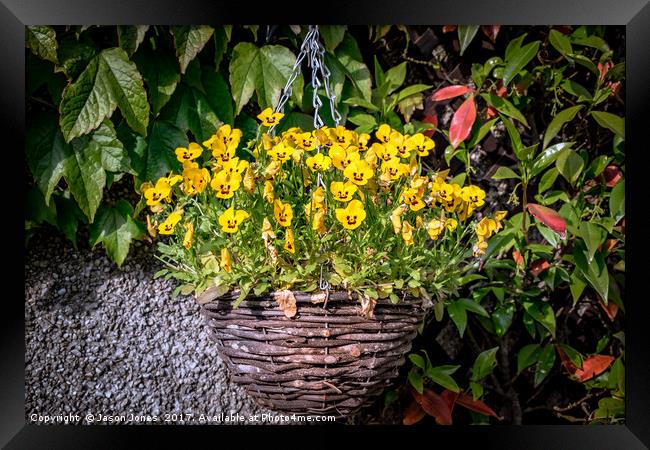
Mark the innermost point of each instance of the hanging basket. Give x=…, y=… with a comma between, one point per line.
x=328, y=359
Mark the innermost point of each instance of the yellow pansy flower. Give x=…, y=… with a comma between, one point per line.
x=222, y=153
x=318, y=162
x=288, y=242
x=435, y=228
x=383, y=133
x=420, y=143
x=323, y=137
x=269, y=118
x=486, y=228
x=272, y=169
x=231, y=219
x=305, y=141
x=318, y=223
x=235, y=165
x=281, y=152
x=341, y=136
x=407, y=233
x=267, y=230
x=228, y=135
x=361, y=141
x=352, y=216
x=283, y=213
x=189, y=235
x=343, y=157
x=195, y=180
x=157, y=193
x=449, y=196
x=474, y=196
x=480, y=247
x=398, y=143
x=174, y=179
x=371, y=158
x=396, y=218
x=343, y=192
x=226, y=260
x=192, y=151
x=225, y=184
x=384, y=152
x=269, y=195
x=167, y=227
x=393, y=169
x=358, y=172
x=268, y=141
x=413, y=198
x=451, y=224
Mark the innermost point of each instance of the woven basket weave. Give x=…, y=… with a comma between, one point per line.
x=327, y=359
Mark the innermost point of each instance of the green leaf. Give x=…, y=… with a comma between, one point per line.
x=189, y=41
x=458, y=314
x=503, y=173
x=115, y=229
x=576, y=89
x=417, y=360
x=547, y=180
x=415, y=378
x=610, y=121
x=36, y=210
x=131, y=36
x=218, y=95
x=518, y=60
x=527, y=356
x=548, y=157
x=411, y=90
x=264, y=71
x=395, y=77
x=438, y=376
x=471, y=305
x=484, y=364
x=160, y=73
x=295, y=119
x=158, y=156
x=358, y=101
x=221, y=39
x=570, y=165
x=542, y=312
x=515, y=138
x=593, y=236
x=574, y=356
x=558, y=121
x=502, y=318
x=560, y=42
x=595, y=273
x=545, y=363
x=41, y=39
x=483, y=130
x=68, y=216
x=202, y=120
x=45, y=153
x=332, y=36
x=592, y=41
x=355, y=70
x=466, y=34
x=110, y=80
x=365, y=122
x=84, y=173
x=617, y=201
x=504, y=106
x=74, y=55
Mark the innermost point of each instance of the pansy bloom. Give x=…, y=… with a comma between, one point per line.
x=231, y=219
x=269, y=118
x=352, y=216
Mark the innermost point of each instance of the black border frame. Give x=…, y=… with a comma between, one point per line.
x=634, y=14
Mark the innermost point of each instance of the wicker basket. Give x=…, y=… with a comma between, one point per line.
x=327, y=359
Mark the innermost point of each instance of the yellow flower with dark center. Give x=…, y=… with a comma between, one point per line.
x=420, y=143
x=451, y=224
x=449, y=196
x=343, y=157
x=189, y=235
x=174, y=179
x=167, y=227
x=190, y=153
x=195, y=180
x=319, y=162
x=231, y=219
x=407, y=233
x=384, y=152
x=474, y=196
x=359, y=172
x=486, y=228
x=235, y=166
x=223, y=153
x=352, y=216
x=289, y=244
x=281, y=152
x=435, y=228
x=269, y=118
x=413, y=198
x=398, y=143
x=305, y=141
x=361, y=141
x=396, y=218
x=283, y=213
x=343, y=192
x=225, y=184
x=267, y=230
x=157, y=193
x=323, y=136
x=479, y=248
x=393, y=169
x=341, y=136
x=383, y=133
x=318, y=223
x=269, y=195
x=226, y=260
x=272, y=169
x=268, y=141
x=228, y=135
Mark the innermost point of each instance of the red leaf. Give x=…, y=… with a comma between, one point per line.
x=612, y=175
x=538, y=266
x=449, y=28
x=611, y=309
x=548, y=217
x=593, y=366
x=432, y=119
x=413, y=414
x=491, y=112
x=501, y=92
x=566, y=361
x=434, y=405
x=491, y=31
x=450, y=92
x=476, y=405
x=564, y=29
x=461, y=123
x=450, y=398
x=517, y=257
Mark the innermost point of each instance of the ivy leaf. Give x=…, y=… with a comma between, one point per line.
x=355, y=70
x=332, y=36
x=158, y=157
x=84, y=173
x=45, y=153
x=41, y=39
x=115, y=229
x=189, y=41
x=202, y=120
x=74, y=55
x=466, y=35
x=218, y=95
x=110, y=80
x=610, y=121
x=68, y=216
x=130, y=37
x=221, y=39
x=160, y=74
